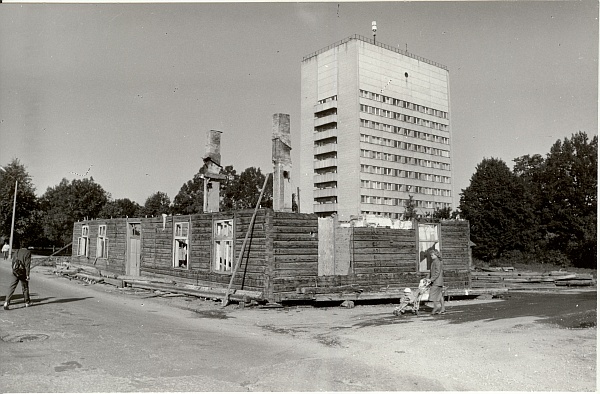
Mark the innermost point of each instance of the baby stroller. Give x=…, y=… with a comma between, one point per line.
x=411, y=300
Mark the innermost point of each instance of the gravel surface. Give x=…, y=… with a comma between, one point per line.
x=521, y=342
x=537, y=341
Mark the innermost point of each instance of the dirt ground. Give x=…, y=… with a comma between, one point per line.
x=521, y=342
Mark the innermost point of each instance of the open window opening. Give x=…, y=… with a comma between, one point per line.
x=223, y=245
x=180, y=245
x=429, y=238
x=83, y=241
x=102, y=243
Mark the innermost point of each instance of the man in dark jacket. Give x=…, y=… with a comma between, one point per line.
x=21, y=265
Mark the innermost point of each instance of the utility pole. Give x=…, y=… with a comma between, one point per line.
x=12, y=226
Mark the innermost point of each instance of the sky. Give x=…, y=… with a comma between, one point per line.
x=125, y=93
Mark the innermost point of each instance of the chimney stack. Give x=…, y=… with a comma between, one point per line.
x=210, y=171
x=282, y=163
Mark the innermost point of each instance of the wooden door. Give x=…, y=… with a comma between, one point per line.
x=134, y=245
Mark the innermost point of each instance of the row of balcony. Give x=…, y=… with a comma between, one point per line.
x=323, y=135
x=325, y=106
x=327, y=148
x=322, y=208
x=326, y=120
x=321, y=193
x=325, y=163
x=322, y=178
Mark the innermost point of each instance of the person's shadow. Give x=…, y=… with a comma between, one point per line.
x=42, y=301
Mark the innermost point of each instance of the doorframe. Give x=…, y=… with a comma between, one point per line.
x=130, y=265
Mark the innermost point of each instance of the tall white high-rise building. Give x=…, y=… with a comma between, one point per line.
x=375, y=131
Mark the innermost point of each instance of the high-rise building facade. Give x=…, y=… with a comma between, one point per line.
x=375, y=131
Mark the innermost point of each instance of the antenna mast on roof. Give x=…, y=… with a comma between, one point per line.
x=374, y=28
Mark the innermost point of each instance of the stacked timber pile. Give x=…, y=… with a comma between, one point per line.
x=215, y=293
x=86, y=274
x=528, y=280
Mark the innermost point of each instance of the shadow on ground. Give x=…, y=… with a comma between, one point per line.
x=571, y=311
x=18, y=299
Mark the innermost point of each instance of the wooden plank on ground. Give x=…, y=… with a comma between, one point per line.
x=205, y=292
x=114, y=282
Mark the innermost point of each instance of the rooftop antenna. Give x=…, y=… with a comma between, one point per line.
x=374, y=28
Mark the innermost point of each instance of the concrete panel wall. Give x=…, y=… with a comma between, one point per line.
x=401, y=77
x=308, y=93
x=348, y=132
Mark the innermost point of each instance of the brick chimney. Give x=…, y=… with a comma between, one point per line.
x=282, y=163
x=210, y=171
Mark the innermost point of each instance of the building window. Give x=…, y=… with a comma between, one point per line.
x=102, y=243
x=223, y=238
x=83, y=242
x=181, y=232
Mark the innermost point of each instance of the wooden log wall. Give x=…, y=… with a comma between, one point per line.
x=157, y=250
x=454, y=242
x=292, y=252
x=281, y=257
x=116, y=233
x=76, y=234
x=382, y=259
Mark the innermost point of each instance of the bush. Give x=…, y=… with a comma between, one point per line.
x=509, y=259
x=543, y=261
x=555, y=257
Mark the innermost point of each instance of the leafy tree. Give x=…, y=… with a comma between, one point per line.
x=238, y=191
x=229, y=189
x=190, y=198
x=242, y=192
x=121, y=208
x=157, y=204
x=456, y=214
x=442, y=213
x=494, y=203
x=529, y=170
x=68, y=202
x=410, y=210
x=569, y=198
x=27, y=228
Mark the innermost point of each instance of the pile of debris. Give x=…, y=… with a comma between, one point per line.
x=166, y=287
x=508, y=277
x=86, y=274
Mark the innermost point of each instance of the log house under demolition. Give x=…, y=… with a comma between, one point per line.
x=288, y=256
x=283, y=256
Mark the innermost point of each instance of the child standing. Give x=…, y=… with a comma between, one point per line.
x=5, y=249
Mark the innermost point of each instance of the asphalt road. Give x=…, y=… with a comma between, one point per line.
x=97, y=338
x=79, y=338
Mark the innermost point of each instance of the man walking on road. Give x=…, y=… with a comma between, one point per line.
x=21, y=265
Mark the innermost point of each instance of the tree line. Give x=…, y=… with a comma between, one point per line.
x=48, y=220
x=544, y=210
